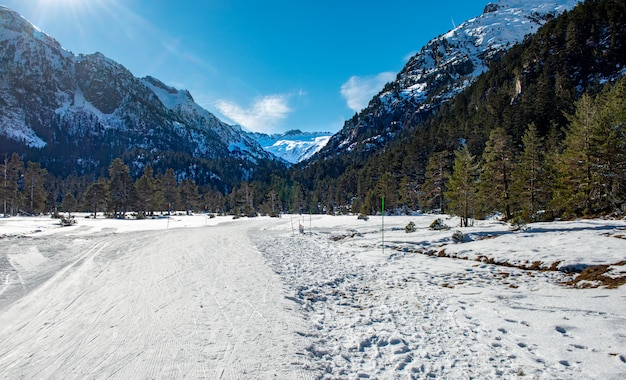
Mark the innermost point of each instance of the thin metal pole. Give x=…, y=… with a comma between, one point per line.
x=383, y=226
x=5, y=184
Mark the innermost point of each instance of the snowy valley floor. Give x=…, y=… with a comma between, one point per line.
x=193, y=297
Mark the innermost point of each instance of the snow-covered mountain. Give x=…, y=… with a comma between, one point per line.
x=443, y=68
x=85, y=110
x=293, y=146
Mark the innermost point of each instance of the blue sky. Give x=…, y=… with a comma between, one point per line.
x=269, y=66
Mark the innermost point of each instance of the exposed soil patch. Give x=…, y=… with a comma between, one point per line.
x=591, y=276
x=596, y=275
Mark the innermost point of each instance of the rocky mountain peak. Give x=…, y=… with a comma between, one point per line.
x=86, y=109
x=444, y=67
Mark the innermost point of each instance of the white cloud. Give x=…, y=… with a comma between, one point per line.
x=358, y=91
x=410, y=55
x=261, y=116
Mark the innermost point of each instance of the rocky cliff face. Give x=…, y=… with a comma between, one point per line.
x=443, y=68
x=78, y=109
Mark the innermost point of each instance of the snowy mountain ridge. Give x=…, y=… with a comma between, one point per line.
x=182, y=105
x=293, y=146
x=444, y=67
x=454, y=59
x=54, y=102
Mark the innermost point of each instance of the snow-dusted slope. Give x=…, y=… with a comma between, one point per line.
x=450, y=62
x=187, y=112
x=27, y=55
x=93, y=108
x=444, y=67
x=293, y=146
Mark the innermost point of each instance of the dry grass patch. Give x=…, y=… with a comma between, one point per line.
x=596, y=275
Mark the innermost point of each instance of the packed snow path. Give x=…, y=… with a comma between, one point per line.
x=184, y=303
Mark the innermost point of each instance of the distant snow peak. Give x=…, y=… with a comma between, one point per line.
x=293, y=146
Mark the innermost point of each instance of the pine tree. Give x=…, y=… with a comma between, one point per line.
x=271, y=206
x=12, y=171
x=189, y=195
x=408, y=195
x=530, y=188
x=495, y=177
x=462, y=186
x=69, y=203
x=214, y=202
x=5, y=183
x=297, y=198
x=387, y=187
x=434, y=186
x=574, y=189
x=371, y=203
x=608, y=148
x=34, y=191
x=121, y=188
x=96, y=197
x=168, y=189
x=145, y=188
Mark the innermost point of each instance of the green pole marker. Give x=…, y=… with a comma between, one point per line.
x=383, y=227
x=310, y=217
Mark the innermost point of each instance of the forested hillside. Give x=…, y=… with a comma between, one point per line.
x=529, y=106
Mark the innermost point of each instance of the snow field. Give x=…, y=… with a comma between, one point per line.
x=216, y=298
x=400, y=314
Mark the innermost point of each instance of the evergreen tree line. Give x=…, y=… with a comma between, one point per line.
x=28, y=189
x=22, y=188
x=583, y=175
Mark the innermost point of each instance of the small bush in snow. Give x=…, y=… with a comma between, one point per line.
x=410, y=228
x=363, y=217
x=67, y=220
x=438, y=224
x=518, y=224
x=459, y=237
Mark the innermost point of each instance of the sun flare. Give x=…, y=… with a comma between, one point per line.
x=74, y=6
x=62, y=3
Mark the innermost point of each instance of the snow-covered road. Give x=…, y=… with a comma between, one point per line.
x=181, y=303
x=193, y=297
